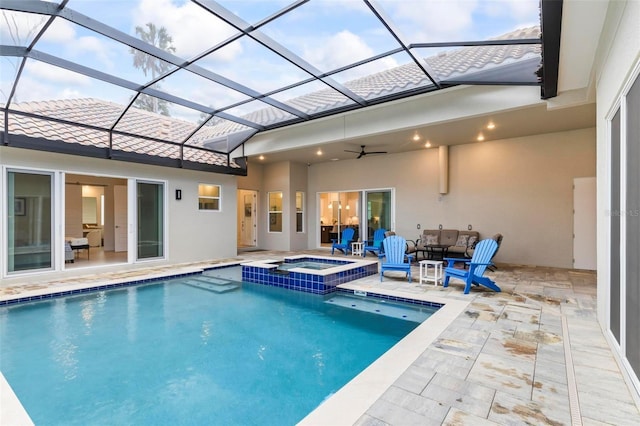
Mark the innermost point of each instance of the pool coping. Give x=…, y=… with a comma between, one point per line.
x=12, y=413
x=351, y=401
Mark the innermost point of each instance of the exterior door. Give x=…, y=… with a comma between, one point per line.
x=120, y=218
x=247, y=223
x=584, y=223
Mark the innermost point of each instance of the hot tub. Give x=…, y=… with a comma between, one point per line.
x=307, y=273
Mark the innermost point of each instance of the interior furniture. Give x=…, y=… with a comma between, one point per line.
x=396, y=258
x=78, y=244
x=68, y=252
x=325, y=234
x=477, y=266
x=435, y=266
x=94, y=237
x=344, y=244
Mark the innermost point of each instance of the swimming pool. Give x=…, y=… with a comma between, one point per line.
x=123, y=345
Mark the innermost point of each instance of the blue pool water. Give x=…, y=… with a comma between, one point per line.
x=307, y=265
x=198, y=350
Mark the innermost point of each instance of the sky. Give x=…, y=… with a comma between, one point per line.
x=326, y=33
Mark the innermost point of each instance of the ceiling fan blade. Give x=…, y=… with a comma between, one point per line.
x=355, y=152
x=377, y=152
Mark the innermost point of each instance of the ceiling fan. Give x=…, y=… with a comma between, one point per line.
x=362, y=152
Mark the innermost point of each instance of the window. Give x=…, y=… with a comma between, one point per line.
x=299, y=211
x=209, y=197
x=275, y=211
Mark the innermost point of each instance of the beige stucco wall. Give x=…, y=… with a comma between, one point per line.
x=520, y=187
x=191, y=234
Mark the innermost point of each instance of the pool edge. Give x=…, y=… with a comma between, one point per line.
x=12, y=410
x=352, y=401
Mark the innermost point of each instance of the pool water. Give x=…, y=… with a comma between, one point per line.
x=198, y=350
x=307, y=265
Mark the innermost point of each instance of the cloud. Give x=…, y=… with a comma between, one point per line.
x=44, y=72
x=61, y=31
x=192, y=29
x=92, y=51
x=19, y=29
x=455, y=20
x=337, y=50
x=39, y=85
x=432, y=21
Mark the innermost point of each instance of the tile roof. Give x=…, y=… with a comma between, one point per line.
x=103, y=114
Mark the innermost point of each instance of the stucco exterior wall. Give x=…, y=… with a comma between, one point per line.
x=192, y=235
x=520, y=187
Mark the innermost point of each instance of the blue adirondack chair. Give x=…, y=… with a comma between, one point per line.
x=396, y=258
x=375, y=246
x=345, y=241
x=478, y=264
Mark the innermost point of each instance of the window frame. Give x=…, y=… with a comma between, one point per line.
x=300, y=212
x=273, y=213
x=209, y=197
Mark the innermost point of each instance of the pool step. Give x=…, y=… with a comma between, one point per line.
x=216, y=285
x=378, y=307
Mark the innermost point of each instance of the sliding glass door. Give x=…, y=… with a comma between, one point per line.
x=150, y=220
x=29, y=221
x=339, y=210
x=378, y=204
x=365, y=211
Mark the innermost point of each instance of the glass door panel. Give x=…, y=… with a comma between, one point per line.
x=29, y=221
x=378, y=211
x=150, y=220
x=338, y=210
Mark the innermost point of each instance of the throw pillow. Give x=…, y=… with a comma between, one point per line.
x=431, y=239
x=462, y=240
x=473, y=240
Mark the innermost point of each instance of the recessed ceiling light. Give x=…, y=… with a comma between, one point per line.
x=261, y=157
x=480, y=137
x=491, y=126
x=319, y=152
x=416, y=137
x=427, y=145
x=335, y=159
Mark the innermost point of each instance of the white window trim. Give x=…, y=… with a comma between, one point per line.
x=219, y=198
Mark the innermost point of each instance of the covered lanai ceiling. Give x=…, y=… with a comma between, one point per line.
x=184, y=84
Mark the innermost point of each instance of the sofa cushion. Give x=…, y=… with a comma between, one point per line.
x=448, y=237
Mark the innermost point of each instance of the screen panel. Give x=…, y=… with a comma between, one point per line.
x=632, y=217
